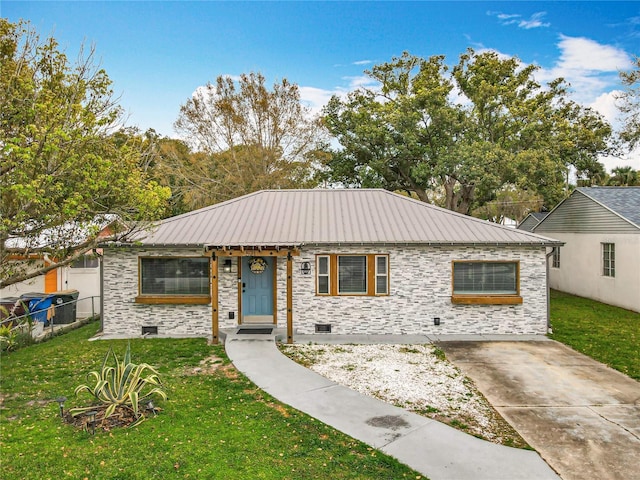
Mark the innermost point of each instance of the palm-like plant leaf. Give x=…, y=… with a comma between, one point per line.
x=121, y=383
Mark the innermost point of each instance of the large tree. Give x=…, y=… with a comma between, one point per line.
x=246, y=137
x=630, y=105
x=624, y=177
x=465, y=132
x=64, y=173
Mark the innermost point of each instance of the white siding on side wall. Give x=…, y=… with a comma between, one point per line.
x=32, y=285
x=580, y=271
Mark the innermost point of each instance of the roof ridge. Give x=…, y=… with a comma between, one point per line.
x=258, y=192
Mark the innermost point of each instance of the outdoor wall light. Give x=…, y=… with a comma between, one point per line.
x=61, y=401
x=92, y=421
x=305, y=268
x=226, y=267
x=436, y=321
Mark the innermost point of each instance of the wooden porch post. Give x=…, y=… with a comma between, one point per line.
x=214, y=299
x=289, y=299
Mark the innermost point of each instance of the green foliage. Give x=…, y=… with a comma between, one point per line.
x=624, y=177
x=64, y=173
x=218, y=425
x=630, y=105
x=509, y=202
x=123, y=383
x=461, y=135
x=8, y=338
x=608, y=334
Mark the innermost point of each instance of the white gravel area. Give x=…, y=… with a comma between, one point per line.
x=409, y=376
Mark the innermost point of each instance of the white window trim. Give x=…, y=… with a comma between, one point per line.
x=556, y=257
x=608, y=252
x=385, y=274
x=371, y=274
x=328, y=275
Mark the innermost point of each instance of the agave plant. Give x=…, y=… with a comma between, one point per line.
x=123, y=384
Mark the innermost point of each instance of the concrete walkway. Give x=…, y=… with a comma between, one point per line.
x=430, y=447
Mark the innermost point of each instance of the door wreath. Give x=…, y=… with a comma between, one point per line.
x=257, y=265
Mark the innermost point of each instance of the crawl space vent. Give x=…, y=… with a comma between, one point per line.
x=323, y=328
x=149, y=330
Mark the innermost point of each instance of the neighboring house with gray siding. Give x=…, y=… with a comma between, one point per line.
x=531, y=220
x=345, y=261
x=600, y=227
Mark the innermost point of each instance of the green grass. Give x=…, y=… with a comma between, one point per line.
x=608, y=334
x=214, y=426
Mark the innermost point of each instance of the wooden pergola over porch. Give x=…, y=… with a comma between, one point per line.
x=216, y=252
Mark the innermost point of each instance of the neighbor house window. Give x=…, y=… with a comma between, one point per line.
x=86, y=261
x=352, y=274
x=556, y=257
x=165, y=279
x=609, y=259
x=486, y=282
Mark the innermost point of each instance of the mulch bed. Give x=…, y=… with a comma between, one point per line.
x=123, y=416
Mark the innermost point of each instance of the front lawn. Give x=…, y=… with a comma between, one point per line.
x=608, y=334
x=215, y=425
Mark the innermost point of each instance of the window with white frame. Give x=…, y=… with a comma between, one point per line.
x=366, y=274
x=382, y=275
x=323, y=275
x=609, y=259
x=556, y=257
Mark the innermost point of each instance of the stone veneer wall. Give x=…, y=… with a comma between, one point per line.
x=420, y=289
x=123, y=316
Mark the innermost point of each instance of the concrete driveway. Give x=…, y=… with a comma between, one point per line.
x=580, y=415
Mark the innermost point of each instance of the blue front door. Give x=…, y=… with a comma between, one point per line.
x=257, y=289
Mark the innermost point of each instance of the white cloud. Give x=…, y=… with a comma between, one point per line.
x=359, y=82
x=589, y=67
x=535, y=21
x=363, y=62
x=584, y=54
x=605, y=104
x=315, y=98
x=631, y=159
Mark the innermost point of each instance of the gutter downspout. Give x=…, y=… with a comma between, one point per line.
x=549, y=255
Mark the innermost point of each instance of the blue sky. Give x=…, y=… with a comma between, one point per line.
x=157, y=52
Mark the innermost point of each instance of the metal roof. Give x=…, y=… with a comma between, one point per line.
x=272, y=218
x=624, y=201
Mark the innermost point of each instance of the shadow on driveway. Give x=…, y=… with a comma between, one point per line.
x=580, y=415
